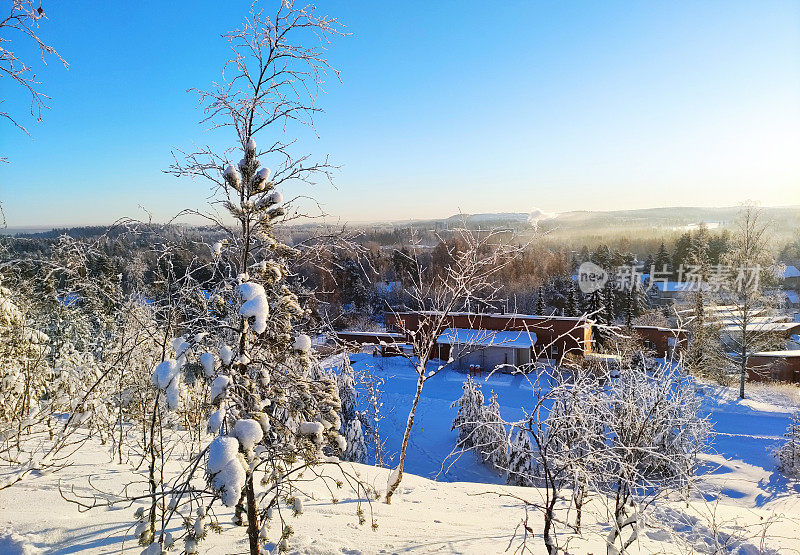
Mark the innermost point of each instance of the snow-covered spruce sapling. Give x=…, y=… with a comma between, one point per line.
x=470, y=407
x=356, y=450
x=788, y=453
x=491, y=440
x=348, y=395
x=274, y=414
x=268, y=373
x=521, y=460
x=352, y=429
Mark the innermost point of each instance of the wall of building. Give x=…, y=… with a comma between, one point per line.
x=487, y=358
x=771, y=368
x=664, y=341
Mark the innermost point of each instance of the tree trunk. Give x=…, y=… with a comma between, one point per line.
x=549, y=516
x=579, y=497
x=742, y=377
x=409, y=424
x=252, y=516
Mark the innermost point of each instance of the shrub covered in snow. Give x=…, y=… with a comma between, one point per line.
x=356, y=448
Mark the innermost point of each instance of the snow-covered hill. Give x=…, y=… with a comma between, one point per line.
x=744, y=504
x=425, y=517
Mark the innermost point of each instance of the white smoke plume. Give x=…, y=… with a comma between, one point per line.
x=538, y=215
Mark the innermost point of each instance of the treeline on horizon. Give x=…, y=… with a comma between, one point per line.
x=354, y=289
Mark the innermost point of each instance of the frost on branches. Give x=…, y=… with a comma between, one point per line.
x=271, y=409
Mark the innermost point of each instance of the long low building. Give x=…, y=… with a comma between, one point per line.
x=556, y=336
x=780, y=366
x=772, y=332
x=370, y=337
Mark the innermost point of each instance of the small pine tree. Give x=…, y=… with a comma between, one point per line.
x=788, y=454
x=356, y=450
x=662, y=258
x=609, y=311
x=470, y=406
x=540, y=306
x=629, y=307
x=594, y=305
x=491, y=436
x=347, y=393
x=521, y=460
x=572, y=303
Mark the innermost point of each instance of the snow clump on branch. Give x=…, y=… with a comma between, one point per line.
x=225, y=465
x=256, y=305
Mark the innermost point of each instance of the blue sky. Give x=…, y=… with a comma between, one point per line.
x=443, y=107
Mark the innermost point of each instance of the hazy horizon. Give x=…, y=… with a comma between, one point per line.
x=10, y=229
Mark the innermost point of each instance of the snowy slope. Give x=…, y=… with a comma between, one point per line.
x=426, y=517
x=743, y=496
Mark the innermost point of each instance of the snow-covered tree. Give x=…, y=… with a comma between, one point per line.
x=348, y=395
x=553, y=464
x=655, y=433
x=788, y=454
x=608, y=314
x=23, y=354
x=521, y=460
x=468, y=277
x=749, y=259
x=540, y=304
x=356, y=450
x=491, y=440
x=274, y=412
x=571, y=308
x=470, y=408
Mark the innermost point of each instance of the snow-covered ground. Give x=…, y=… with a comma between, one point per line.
x=751, y=506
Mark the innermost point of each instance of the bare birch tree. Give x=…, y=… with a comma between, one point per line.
x=748, y=260
x=467, y=279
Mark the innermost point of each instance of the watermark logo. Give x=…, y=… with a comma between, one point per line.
x=591, y=277
x=713, y=278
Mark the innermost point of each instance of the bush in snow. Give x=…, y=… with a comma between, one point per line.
x=788, y=454
x=655, y=434
x=23, y=352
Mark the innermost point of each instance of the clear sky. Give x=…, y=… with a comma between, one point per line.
x=445, y=106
